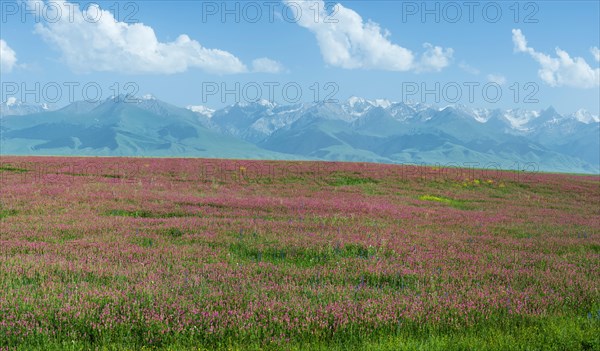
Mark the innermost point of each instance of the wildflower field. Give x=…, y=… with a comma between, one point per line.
x=113, y=254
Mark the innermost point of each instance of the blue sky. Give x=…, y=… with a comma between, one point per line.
x=372, y=49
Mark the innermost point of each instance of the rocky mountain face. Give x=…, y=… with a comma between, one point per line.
x=353, y=130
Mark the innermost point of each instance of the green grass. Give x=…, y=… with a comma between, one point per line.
x=348, y=180
x=124, y=213
x=138, y=257
x=63, y=235
x=172, y=232
x=458, y=204
x=143, y=241
x=395, y=281
x=8, y=168
x=519, y=233
x=545, y=333
x=146, y=214
x=4, y=213
x=301, y=256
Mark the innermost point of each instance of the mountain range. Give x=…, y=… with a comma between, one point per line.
x=353, y=130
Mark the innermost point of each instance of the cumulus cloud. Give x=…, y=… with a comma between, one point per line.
x=596, y=52
x=496, y=78
x=266, y=65
x=519, y=41
x=468, y=68
x=434, y=58
x=562, y=70
x=8, y=57
x=346, y=41
x=92, y=40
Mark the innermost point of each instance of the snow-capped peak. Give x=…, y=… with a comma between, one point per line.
x=262, y=102
x=383, y=103
x=415, y=105
x=203, y=110
x=148, y=97
x=266, y=103
x=14, y=107
x=585, y=116
x=356, y=106
x=354, y=100
x=481, y=115
x=519, y=118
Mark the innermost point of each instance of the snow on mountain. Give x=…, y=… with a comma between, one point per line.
x=383, y=103
x=356, y=106
x=355, y=100
x=519, y=118
x=202, y=110
x=417, y=106
x=401, y=111
x=585, y=116
x=360, y=129
x=14, y=107
x=481, y=115
x=262, y=102
x=278, y=118
x=267, y=103
x=264, y=117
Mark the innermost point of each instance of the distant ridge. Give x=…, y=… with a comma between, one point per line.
x=353, y=130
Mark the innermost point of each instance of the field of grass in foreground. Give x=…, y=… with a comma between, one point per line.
x=173, y=254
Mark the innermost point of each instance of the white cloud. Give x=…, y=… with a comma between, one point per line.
x=101, y=43
x=266, y=65
x=496, y=78
x=347, y=41
x=519, y=41
x=434, y=58
x=468, y=68
x=8, y=57
x=596, y=52
x=562, y=70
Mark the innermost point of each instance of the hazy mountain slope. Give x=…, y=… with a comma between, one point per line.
x=354, y=130
x=146, y=128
